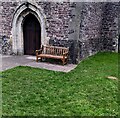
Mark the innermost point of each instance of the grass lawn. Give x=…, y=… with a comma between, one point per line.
x=85, y=91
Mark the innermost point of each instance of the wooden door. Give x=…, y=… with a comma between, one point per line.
x=32, y=35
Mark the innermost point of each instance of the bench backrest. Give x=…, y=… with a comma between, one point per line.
x=54, y=50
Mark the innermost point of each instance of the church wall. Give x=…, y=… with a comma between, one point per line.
x=109, y=29
x=57, y=19
x=90, y=29
x=85, y=28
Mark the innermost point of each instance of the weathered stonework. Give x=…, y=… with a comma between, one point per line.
x=6, y=45
x=109, y=28
x=57, y=15
x=85, y=27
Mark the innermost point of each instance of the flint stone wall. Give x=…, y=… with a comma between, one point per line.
x=57, y=17
x=85, y=28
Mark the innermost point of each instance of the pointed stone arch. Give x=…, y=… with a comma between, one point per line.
x=17, y=26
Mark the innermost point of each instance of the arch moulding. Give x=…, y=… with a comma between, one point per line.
x=17, y=26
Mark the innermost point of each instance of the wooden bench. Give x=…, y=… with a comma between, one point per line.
x=53, y=52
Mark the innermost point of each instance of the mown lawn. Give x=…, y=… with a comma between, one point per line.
x=85, y=91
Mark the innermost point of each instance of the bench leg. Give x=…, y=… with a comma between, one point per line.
x=36, y=59
x=67, y=60
x=63, y=61
x=41, y=58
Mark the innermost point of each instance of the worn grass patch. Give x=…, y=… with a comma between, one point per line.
x=85, y=91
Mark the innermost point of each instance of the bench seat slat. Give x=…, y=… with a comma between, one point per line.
x=51, y=56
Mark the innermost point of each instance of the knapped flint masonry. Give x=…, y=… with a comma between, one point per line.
x=85, y=27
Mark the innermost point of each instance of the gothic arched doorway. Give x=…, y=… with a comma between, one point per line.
x=31, y=34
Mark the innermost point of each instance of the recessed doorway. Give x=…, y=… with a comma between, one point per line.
x=31, y=34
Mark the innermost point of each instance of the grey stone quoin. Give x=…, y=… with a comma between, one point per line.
x=85, y=27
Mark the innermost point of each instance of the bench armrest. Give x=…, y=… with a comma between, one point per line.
x=38, y=52
x=65, y=54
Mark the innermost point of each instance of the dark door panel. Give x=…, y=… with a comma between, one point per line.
x=32, y=33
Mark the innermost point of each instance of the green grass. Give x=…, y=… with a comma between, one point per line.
x=85, y=91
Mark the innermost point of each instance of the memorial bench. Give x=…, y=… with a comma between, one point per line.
x=53, y=52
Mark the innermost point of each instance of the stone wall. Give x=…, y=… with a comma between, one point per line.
x=7, y=11
x=0, y=28
x=90, y=28
x=88, y=25
x=85, y=28
x=109, y=29
x=98, y=28
x=57, y=15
